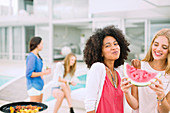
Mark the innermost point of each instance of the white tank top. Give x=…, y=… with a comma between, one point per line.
x=147, y=97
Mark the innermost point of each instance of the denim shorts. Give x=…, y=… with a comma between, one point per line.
x=34, y=92
x=58, y=87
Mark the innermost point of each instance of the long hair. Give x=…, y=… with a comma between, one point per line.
x=148, y=58
x=34, y=42
x=67, y=67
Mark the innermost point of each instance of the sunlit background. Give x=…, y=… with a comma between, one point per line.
x=65, y=26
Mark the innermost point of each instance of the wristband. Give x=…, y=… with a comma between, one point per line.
x=69, y=82
x=160, y=100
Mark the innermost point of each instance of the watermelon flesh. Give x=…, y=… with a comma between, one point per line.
x=139, y=77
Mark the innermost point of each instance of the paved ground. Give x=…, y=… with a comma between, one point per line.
x=16, y=91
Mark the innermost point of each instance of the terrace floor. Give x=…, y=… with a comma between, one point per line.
x=15, y=90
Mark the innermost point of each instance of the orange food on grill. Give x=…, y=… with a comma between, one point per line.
x=25, y=109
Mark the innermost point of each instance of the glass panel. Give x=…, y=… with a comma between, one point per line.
x=135, y=34
x=157, y=25
x=29, y=6
x=4, y=43
x=1, y=42
x=70, y=9
x=70, y=38
x=41, y=8
x=17, y=43
x=4, y=7
x=25, y=5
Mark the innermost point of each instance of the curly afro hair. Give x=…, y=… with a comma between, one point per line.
x=93, y=47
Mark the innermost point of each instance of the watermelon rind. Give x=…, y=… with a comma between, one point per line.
x=140, y=84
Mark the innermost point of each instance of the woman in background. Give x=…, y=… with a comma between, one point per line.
x=34, y=73
x=156, y=97
x=104, y=53
x=63, y=75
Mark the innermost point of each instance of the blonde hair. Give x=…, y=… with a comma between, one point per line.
x=67, y=67
x=148, y=58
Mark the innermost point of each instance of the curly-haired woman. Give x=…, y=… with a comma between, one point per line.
x=105, y=52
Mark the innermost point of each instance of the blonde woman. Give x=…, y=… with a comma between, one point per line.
x=63, y=75
x=154, y=98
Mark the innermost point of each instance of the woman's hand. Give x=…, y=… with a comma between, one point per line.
x=41, y=74
x=125, y=85
x=136, y=63
x=158, y=88
x=47, y=71
x=73, y=83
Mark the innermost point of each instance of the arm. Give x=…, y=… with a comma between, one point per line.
x=163, y=100
x=59, y=73
x=92, y=86
x=134, y=92
x=66, y=81
x=36, y=74
x=62, y=80
x=165, y=104
x=132, y=98
x=30, y=68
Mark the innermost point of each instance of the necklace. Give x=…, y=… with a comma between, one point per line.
x=114, y=80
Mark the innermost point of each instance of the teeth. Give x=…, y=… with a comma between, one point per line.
x=158, y=53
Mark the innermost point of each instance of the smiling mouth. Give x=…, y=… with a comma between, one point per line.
x=158, y=54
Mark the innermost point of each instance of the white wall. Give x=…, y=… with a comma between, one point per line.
x=99, y=6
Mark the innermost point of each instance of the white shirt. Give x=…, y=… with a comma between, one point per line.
x=94, y=85
x=59, y=72
x=147, y=97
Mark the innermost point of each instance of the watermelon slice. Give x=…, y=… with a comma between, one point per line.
x=139, y=77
